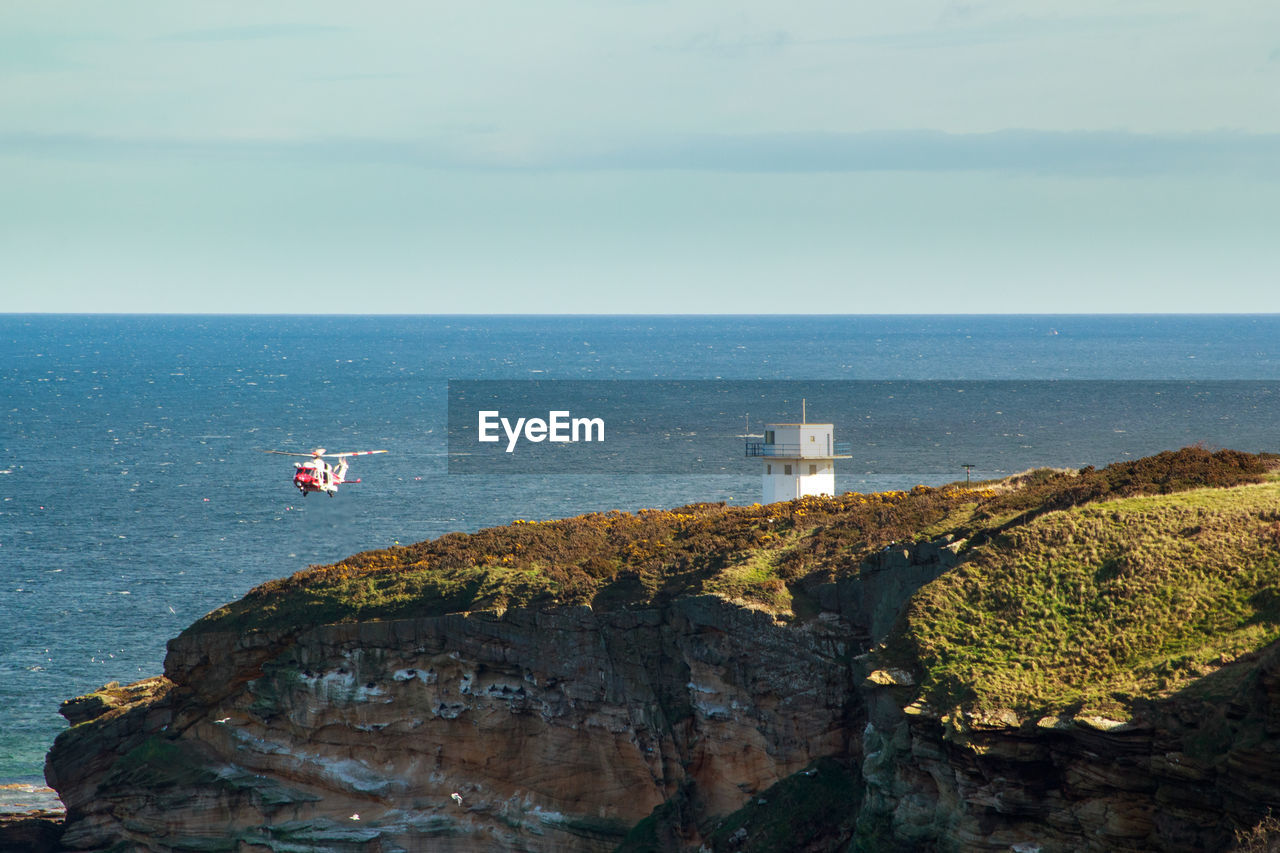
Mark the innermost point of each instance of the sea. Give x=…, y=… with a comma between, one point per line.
x=135, y=496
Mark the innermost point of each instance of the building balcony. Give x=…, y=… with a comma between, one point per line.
x=840, y=449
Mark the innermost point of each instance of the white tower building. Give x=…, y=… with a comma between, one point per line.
x=798, y=460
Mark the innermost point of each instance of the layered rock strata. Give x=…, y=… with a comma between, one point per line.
x=529, y=730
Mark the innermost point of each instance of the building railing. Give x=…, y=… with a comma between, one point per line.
x=797, y=451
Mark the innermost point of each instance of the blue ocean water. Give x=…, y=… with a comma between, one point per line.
x=134, y=498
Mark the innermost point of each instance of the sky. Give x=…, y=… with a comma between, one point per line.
x=639, y=156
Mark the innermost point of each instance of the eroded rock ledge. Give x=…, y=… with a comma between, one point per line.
x=1178, y=776
x=556, y=729
x=563, y=729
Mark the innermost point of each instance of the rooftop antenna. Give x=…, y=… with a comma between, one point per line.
x=803, y=417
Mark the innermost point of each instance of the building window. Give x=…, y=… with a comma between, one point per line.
x=768, y=436
x=813, y=469
x=768, y=469
x=786, y=470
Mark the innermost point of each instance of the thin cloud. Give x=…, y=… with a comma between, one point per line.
x=30, y=54
x=1021, y=151
x=721, y=44
x=966, y=31
x=358, y=77
x=263, y=31
x=936, y=151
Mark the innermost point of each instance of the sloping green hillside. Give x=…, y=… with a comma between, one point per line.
x=1086, y=608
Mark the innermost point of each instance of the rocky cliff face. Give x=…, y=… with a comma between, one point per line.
x=528, y=730
x=1179, y=776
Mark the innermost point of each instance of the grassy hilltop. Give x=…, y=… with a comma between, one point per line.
x=1076, y=591
x=1088, y=608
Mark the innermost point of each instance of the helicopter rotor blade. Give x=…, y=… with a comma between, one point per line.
x=326, y=455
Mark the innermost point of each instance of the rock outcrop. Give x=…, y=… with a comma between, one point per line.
x=1181, y=775
x=553, y=729
x=31, y=832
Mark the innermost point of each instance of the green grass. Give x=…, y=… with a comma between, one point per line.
x=1084, y=609
x=753, y=579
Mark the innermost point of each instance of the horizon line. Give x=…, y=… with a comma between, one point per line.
x=549, y=314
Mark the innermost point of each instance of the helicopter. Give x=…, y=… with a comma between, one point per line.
x=316, y=475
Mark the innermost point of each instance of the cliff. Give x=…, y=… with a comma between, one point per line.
x=1067, y=661
x=557, y=729
x=1103, y=678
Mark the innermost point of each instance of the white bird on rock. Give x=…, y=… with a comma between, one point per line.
x=456, y=797
x=355, y=817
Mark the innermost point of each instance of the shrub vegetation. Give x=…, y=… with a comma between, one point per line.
x=753, y=554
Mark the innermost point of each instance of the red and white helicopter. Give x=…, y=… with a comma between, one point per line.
x=317, y=475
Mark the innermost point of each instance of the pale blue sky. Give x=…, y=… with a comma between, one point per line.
x=659, y=157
